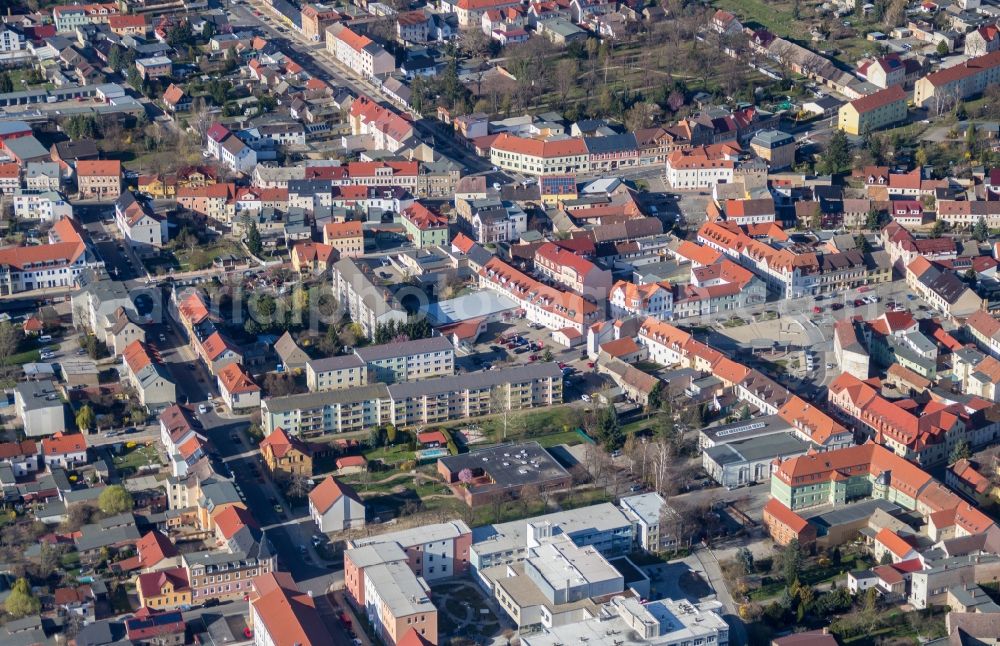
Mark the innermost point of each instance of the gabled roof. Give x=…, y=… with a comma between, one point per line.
x=328, y=492
x=60, y=444
x=281, y=443
x=786, y=516
x=98, y=168
x=236, y=381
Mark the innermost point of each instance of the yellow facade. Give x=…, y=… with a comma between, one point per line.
x=854, y=123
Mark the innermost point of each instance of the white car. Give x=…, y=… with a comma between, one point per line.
x=585, y=398
x=202, y=408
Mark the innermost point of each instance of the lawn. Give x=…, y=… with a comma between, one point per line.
x=21, y=358
x=202, y=256
x=137, y=457
x=391, y=454
x=560, y=437
x=534, y=423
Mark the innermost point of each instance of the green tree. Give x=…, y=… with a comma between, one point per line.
x=942, y=48
x=655, y=400
x=873, y=221
x=886, y=559
x=791, y=562
x=20, y=602
x=547, y=355
x=980, y=231
x=745, y=557
x=861, y=242
x=254, y=243
x=6, y=85
x=971, y=277
x=940, y=226
x=180, y=35
x=115, y=500
x=961, y=451
x=609, y=431
x=391, y=433
x=837, y=157
x=85, y=418
x=920, y=157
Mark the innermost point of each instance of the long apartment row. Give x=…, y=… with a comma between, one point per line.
x=405, y=384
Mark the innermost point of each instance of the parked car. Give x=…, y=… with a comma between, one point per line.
x=202, y=408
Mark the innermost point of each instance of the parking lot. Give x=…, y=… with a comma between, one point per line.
x=533, y=341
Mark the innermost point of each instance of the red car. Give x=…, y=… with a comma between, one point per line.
x=533, y=357
x=858, y=302
x=590, y=364
x=817, y=309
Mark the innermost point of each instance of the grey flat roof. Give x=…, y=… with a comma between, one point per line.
x=757, y=448
x=405, y=349
x=481, y=303
x=852, y=512
x=744, y=430
x=39, y=394
x=475, y=380
x=508, y=465
x=326, y=398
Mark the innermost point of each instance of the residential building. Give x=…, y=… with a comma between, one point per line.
x=359, y=52
x=312, y=258
x=238, y=390
x=321, y=413
x=648, y=512
x=57, y=264
x=942, y=289
x=548, y=306
x=561, y=265
x=99, y=179
x=64, y=451
x=702, y=167
x=40, y=408
x=45, y=205
x=348, y=238
x=286, y=456
x=143, y=230
x=316, y=18
x=336, y=373
x=873, y=112
x=281, y=615
x=539, y=157
x=154, y=67
x=653, y=299
x=408, y=361
x=775, y=147
x=148, y=376
x=334, y=506
x=368, y=304
x=69, y=17
x=941, y=90
x=424, y=227
x=164, y=590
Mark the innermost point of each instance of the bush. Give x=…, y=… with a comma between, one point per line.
x=409, y=465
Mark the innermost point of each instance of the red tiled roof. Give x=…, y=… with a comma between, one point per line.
x=785, y=516
x=232, y=519
x=60, y=444
x=351, y=461
x=98, y=168
x=153, y=548
x=329, y=492
x=539, y=148
x=281, y=443
x=879, y=99
x=151, y=583
x=236, y=381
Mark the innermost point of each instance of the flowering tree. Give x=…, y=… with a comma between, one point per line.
x=465, y=476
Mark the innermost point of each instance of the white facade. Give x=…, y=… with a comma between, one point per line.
x=40, y=408
x=47, y=206
x=641, y=302
x=344, y=513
